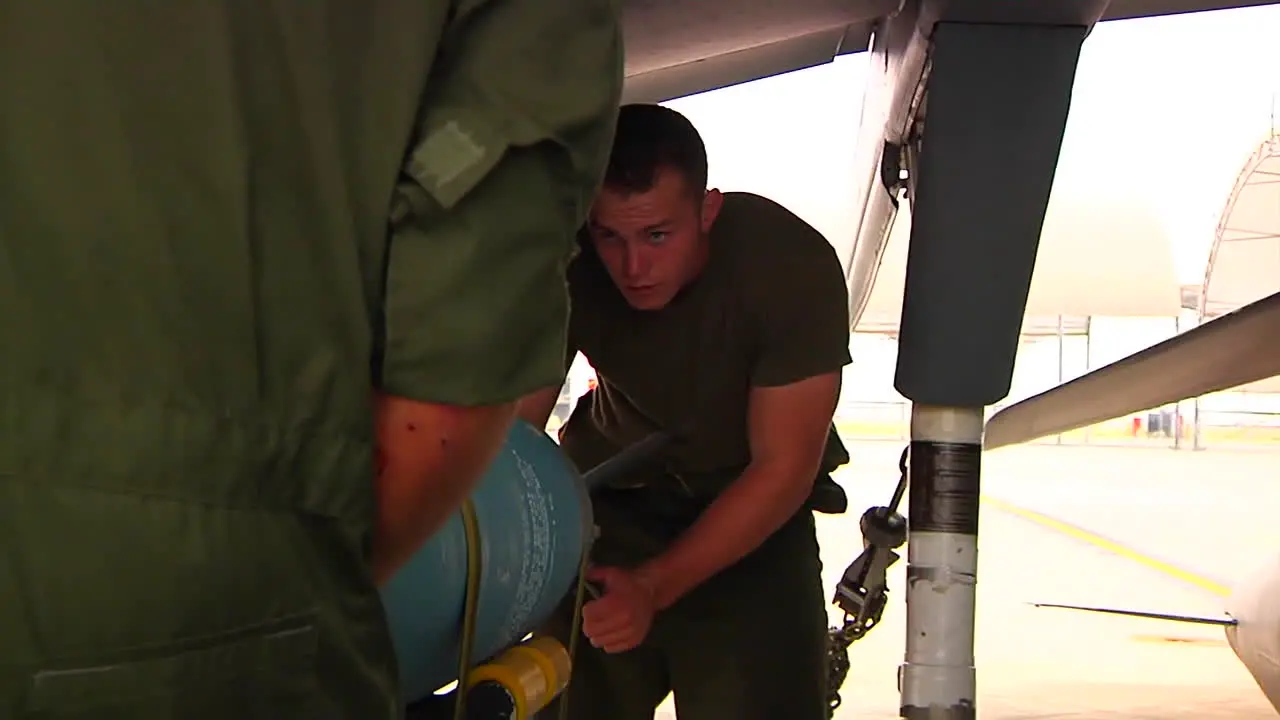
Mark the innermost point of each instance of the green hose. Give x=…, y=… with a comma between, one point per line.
x=579, y=599
x=470, y=607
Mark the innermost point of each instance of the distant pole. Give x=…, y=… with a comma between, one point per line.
x=1061, y=358
x=1195, y=430
x=1197, y=440
x=1177, y=406
x=1088, y=365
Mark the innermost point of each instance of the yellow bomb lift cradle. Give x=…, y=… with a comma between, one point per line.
x=520, y=681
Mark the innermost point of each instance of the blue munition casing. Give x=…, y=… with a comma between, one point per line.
x=535, y=521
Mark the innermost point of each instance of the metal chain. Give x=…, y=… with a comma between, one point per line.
x=840, y=638
x=837, y=669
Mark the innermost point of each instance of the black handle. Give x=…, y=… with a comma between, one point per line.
x=627, y=460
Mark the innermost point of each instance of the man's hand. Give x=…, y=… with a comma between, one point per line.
x=620, y=619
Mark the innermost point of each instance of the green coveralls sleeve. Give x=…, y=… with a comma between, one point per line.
x=513, y=136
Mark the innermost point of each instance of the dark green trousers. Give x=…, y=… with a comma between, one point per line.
x=749, y=644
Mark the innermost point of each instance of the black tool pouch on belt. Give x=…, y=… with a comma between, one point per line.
x=827, y=497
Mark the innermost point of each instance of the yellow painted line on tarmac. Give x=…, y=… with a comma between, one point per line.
x=1112, y=546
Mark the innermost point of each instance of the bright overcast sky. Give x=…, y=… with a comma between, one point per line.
x=1170, y=106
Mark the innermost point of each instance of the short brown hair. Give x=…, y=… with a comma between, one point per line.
x=651, y=138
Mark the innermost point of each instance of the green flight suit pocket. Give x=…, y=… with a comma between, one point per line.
x=262, y=671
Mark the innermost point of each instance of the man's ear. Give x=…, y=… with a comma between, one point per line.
x=711, y=203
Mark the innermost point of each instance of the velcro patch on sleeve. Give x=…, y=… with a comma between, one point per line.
x=455, y=154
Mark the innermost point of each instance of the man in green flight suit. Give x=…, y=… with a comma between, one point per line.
x=721, y=319
x=243, y=245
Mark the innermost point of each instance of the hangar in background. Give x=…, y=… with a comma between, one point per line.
x=1101, y=254
x=1244, y=263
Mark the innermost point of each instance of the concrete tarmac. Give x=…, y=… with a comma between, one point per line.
x=1132, y=528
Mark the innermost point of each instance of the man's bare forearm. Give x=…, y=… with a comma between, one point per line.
x=430, y=458
x=759, y=502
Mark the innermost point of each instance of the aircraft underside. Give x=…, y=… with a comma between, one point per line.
x=963, y=118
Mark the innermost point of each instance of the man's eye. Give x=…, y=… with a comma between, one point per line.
x=657, y=237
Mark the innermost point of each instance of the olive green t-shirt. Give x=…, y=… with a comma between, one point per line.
x=769, y=309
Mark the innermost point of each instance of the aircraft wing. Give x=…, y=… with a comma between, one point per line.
x=683, y=47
